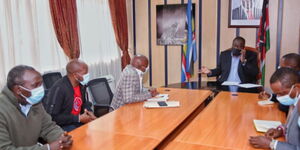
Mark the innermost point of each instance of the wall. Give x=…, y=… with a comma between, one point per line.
x=166, y=61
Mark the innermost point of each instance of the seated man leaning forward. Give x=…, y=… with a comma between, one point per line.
x=22, y=116
x=130, y=87
x=67, y=101
x=285, y=83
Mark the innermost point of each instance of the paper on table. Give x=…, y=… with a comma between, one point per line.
x=156, y=105
x=230, y=83
x=264, y=125
x=159, y=97
x=265, y=102
x=249, y=85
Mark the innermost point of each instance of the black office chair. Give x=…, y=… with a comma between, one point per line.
x=102, y=96
x=50, y=78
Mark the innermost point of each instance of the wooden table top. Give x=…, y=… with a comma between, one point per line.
x=227, y=122
x=133, y=126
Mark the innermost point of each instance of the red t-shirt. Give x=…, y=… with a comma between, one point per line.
x=77, y=103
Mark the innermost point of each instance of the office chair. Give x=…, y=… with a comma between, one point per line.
x=248, y=48
x=50, y=78
x=101, y=95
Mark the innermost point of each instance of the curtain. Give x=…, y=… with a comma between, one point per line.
x=119, y=18
x=27, y=37
x=98, y=44
x=64, y=16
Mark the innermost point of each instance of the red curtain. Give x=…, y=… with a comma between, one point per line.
x=119, y=19
x=64, y=16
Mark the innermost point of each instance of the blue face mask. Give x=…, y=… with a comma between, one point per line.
x=36, y=95
x=86, y=79
x=286, y=99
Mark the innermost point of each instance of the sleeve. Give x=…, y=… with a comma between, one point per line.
x=251, y=66
x=57, y=95
x=6, y=143
x=217, y=71
x=129, y=94
x=50, y=131
x=286, y=146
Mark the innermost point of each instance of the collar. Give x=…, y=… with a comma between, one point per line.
x=25, y=109
x=12, y=98
x=140, y=73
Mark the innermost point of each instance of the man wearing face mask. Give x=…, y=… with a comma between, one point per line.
x=130, y=87
x=285, y=82
x=23, y=118
x=235, y=64
x=67, y=100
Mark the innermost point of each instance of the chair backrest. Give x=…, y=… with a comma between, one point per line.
x=248, y=48
x=100, y=91
x=50, y=78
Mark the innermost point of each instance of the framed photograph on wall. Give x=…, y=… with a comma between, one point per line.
x=171, y=24
x=245, y=13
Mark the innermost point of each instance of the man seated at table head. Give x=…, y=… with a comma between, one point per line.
x=130, y=87
x=22, y=116
x=235, y=64
x=285, y=82
x=67, y=100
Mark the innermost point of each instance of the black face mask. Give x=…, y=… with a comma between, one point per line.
x=236, y=52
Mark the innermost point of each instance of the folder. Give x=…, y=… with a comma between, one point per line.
x=265, y=125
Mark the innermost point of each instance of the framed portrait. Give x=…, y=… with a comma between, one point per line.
x=245, y=13
x=171, y=24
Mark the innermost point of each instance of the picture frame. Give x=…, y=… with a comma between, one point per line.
x=171, y=24
x=244, y=13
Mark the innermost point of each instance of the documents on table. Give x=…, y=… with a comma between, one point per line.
x=249, y=85
x=265, y=125
x=162, y=104
x=245, y=85
x=159, y=97
x=265, y=102
x=230, y=83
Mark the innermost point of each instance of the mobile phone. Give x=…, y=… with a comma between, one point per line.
x=162, y=103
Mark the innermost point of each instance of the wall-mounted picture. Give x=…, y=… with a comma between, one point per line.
x=245, y=13
x=172, y=24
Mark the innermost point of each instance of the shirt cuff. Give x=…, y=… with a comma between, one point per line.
x=48, y=147
x=273, y=144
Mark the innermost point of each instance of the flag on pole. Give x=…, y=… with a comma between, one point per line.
x=189, y=55
x=263, y=40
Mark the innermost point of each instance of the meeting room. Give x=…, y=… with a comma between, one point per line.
x=149, y=74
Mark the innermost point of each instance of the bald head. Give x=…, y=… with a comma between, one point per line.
x=140, y=62
x=76, y=66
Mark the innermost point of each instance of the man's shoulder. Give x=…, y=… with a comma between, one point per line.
x=129, y=71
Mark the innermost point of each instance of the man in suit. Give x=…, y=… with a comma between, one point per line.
x=235, y=64
x=130, y=87
x=246, y=11
x=285, y=82
x=290, y=60
x=67, y=101
x=23, y=118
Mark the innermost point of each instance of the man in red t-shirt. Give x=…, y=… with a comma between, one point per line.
x=71, y=107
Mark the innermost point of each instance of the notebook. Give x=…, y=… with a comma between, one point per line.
x=161, y=104
x=265, y=125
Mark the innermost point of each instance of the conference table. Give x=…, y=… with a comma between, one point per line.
x=135, y=127
x=225, y=124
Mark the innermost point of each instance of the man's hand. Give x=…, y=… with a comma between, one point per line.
x=153, y=92
x=260, y=141
x=91, y=114
x=204, y=70
x=273, y=133
x=64, y=142
x=243, y=56
x=85, y=117
x=264, y=95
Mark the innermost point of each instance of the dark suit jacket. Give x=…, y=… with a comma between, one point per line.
x=247, y=73
x=60, y=102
